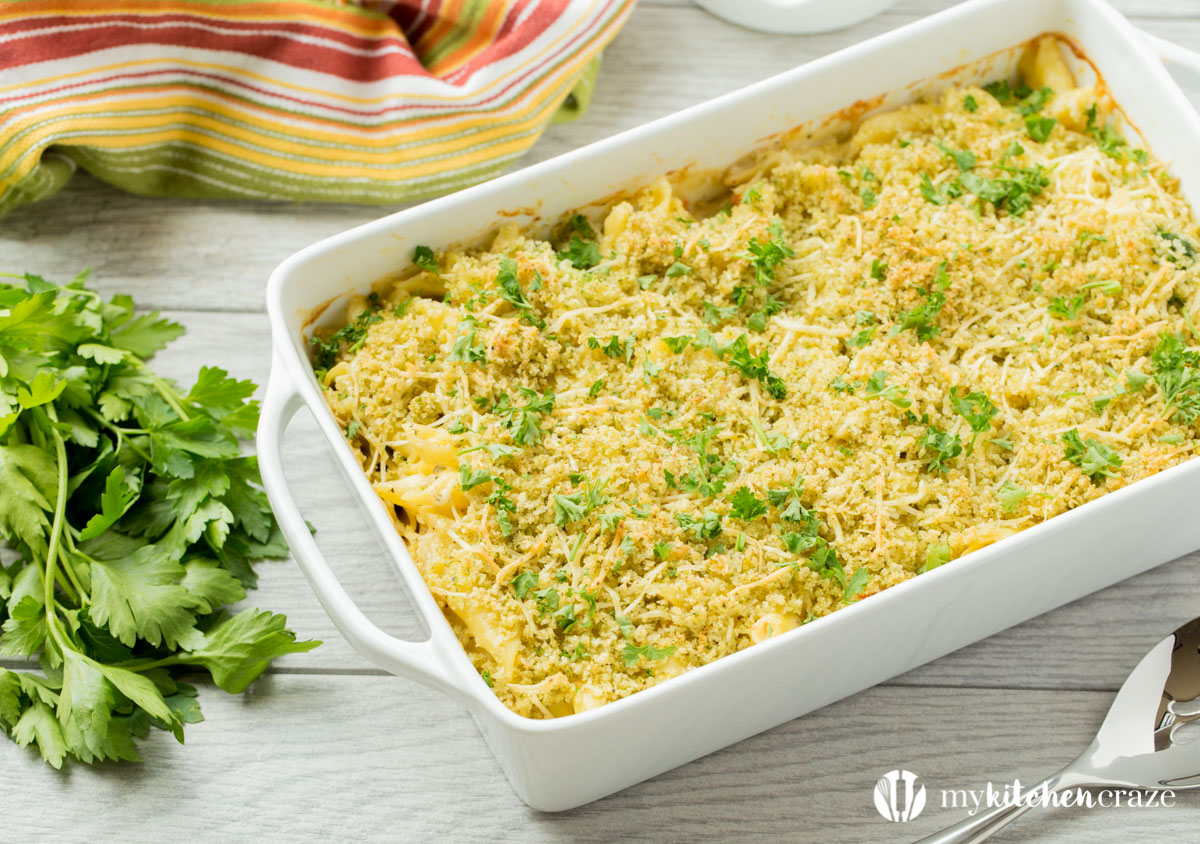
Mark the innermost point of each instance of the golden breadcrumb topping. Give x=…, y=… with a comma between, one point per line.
x=657, y=438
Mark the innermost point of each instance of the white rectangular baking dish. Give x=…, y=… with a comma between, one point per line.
x=743, y=694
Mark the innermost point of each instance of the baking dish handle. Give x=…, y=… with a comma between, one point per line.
x=1183, y=64
x=414, y=660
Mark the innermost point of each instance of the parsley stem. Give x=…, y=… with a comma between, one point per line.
x=69, y=569
x=150, y=664
x=166, y=392
x=118, y=432
x=1187, y=320
x=66, y=588
x=60, y=509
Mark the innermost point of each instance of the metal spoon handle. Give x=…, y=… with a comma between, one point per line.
x=987, y=823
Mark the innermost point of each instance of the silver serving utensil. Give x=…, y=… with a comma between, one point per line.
x=1142, y=744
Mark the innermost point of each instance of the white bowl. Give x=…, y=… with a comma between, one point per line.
x=795, y=16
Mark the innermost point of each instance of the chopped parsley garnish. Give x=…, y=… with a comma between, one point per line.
x=921, y=317
x=423, y=258
x=583, y=254
x=1033, y=101
x=970, y=103
x=877, y=387
x=1135, y=381
x=745, y=505
x=878, y=269
x=547, y=599
x=510, y=291
x=770, y=441
x=523, y=583
x=568, y=508
x=465, y=348
x=1177, y=374
x=354, y=334
x=678, y=344
x=1039, y=127
x=1003, y=92
x=581, y=226
x=714, y=315
x=1177, y=248
x=522, y=420
x=935, y=556
x=496, y=450
x=965, y=159
x=706, y=526
x=1066, y=309
x=1108, y=288
x=930, y=191
x=758, y=319
x=1010, y=496
x=708, y=478
x=869, y=200
x=1097, y=460
x=856, y=584
x=677, y=269
x=615, y=348
x=940, y=447
x=755, y=366
x=976, y=408
x=632, y=653
x=1108, y=139
x=472, y=477
x=863, y=336
x=765, y=257
x=352, y=429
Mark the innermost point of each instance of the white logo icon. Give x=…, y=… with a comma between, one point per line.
x=897, y=796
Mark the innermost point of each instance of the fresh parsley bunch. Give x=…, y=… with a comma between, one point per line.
x=134, y=519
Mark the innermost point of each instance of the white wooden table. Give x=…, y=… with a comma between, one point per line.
x=325, y=747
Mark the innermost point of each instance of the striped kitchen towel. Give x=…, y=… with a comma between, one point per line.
x=286, y=99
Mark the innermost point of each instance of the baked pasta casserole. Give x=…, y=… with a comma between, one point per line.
x=666, y=434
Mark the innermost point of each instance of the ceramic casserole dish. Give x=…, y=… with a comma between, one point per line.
x=710, y=707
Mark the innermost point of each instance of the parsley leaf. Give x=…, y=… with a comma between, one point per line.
x=921, y=318
x=940, y=447
x=755, y=366
x=522, y=421
x=423, y=258
x=877, y=387
x=1097, y=460
x=632, y=653
x=765, y=257
x=1010, y=496
x=510, y=291
x=1177, y=374
x=745, y=505
x=937, y=555
x=932, y=194
x=856, y=584
x=583, y=254
x=965, y=159
x=130, y=497
x=465, y=348
x=678, y=344
x=707, y=526
x=976, y=408
x=1039, y=127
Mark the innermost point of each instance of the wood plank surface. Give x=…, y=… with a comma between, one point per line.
x=320, y=758
x=326, y=749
